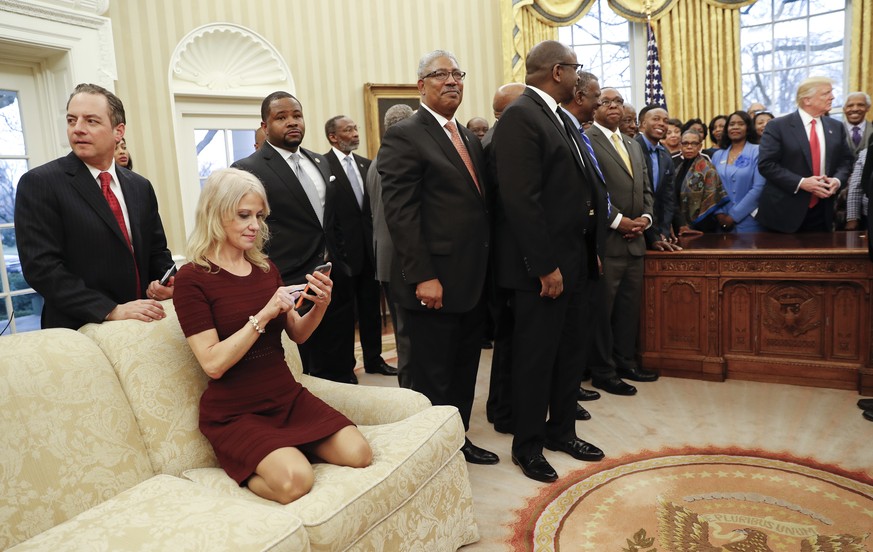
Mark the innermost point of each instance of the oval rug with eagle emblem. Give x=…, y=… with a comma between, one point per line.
x=709, y=500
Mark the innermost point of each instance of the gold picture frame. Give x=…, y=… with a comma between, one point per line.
x=377, y=99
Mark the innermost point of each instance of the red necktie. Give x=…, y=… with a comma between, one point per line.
x=462, y=151
x=105, y=181
x=816, y=159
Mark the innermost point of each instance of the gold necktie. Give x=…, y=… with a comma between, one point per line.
x=622, y=153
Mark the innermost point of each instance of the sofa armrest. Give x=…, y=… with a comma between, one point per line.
x=366, y=405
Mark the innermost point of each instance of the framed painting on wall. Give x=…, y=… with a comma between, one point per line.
x=378, y=98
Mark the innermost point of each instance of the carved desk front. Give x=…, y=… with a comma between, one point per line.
x=785, y=308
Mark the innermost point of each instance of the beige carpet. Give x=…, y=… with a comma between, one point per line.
x=816, y=428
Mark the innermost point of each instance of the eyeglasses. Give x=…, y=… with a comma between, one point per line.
x=577, y=66
x=606, y=103
x=442, y=75
x=689, y=144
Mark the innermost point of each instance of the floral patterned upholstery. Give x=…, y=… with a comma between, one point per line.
x=96, y=427
x=149, y=513
x=345, y=504
x=61, y=451
x=163, y=383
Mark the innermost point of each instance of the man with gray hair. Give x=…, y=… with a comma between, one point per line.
x=805, y=158
x=435, y=194
x=383, y=251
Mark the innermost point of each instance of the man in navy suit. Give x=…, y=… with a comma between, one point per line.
x=805, y=158
x=303, y=233
x=92, y=262
x=661, y=172
x=435, y=194
x=361, y=292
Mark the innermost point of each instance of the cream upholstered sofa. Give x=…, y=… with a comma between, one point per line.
x=99, y=450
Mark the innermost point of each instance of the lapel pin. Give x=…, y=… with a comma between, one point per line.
x=317, y=160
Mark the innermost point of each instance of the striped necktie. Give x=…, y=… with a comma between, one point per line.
x=591, y=152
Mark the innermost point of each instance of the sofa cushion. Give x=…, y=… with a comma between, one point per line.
x=68, y=439
x=366, y=405
x=163, y=382
x=168, y=513
x=346, y=502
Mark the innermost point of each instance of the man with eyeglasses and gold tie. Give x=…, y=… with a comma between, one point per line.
x=621, y=286
x=436, y=202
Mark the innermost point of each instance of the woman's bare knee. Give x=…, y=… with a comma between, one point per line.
x=361, y=455
x=297, y=484
x=286, y=476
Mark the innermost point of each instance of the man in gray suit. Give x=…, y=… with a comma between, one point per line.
x=383, y=249
x=618, y=303
x=859, y=130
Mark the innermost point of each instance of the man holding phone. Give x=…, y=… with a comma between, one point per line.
x=89, y=233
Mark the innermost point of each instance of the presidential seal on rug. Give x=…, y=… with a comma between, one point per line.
x=701, y=501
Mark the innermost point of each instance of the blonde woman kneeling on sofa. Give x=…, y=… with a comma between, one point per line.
x=232, y=306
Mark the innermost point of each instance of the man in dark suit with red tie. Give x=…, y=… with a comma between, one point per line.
x=551, y=216
x=303, y=233
x=435, y=195
x=360, y=292
x=89, y=234
x=805, y=158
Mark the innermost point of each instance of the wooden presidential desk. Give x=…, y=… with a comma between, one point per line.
x=785, y=308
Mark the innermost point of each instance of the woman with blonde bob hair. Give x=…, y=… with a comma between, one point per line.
x=263, y=425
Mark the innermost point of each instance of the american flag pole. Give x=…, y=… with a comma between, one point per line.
x=654, y=85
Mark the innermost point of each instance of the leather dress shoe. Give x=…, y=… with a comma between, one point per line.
x=868, y=415
x=636, y=374
x=615, y=386
x=381, y=368
x=577, y=448
x=536, y=467
x=476, y=455
x=486, y=344
x=581, y=413
x=865, y=404
x=587, y=395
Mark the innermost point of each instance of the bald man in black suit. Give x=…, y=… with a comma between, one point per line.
x=552, y=211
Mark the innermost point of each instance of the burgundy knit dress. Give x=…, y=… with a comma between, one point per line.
x=257, y=406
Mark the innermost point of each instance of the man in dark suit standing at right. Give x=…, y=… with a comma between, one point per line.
x=360, y=292
x=434, y=190
x=89, y=233
x=805, y=158
x=552, y=214
x=303, y=234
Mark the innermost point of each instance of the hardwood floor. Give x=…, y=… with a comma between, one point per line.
x=822, y=424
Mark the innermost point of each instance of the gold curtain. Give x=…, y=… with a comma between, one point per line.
x=528, y=22
x=861, y=58
x=700, y=59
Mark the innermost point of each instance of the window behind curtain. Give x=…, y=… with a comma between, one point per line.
x=602, y=41
x=782, y=42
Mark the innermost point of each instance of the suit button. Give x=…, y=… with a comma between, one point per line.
x=486, y=245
